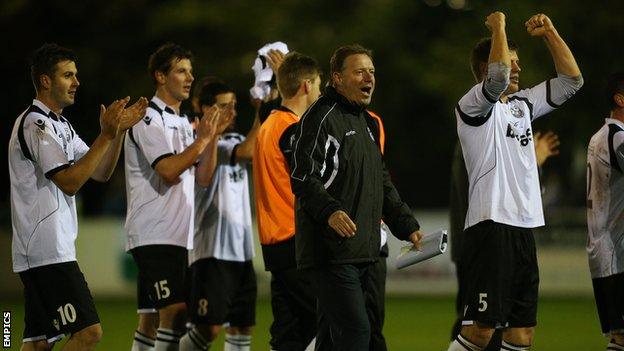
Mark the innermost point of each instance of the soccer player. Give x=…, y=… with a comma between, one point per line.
x=504, y=201
x=605, y=205
x=342, y=189
x=293, y=304
x=48, y=164
x=223, y=281
x=160, y=152
x=546, y=146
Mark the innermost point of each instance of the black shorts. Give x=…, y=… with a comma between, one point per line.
x=161, y=279
x=499, y=275
x=57, y=302
x=609, y=293
x=223, y=291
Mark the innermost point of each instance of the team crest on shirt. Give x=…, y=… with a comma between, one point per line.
x=515, y=110
x=147, y=119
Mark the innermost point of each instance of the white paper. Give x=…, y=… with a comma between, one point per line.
x=431, y=245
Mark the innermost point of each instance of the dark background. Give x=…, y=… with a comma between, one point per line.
x=421, y=53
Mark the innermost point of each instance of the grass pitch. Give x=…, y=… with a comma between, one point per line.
x=412, y=323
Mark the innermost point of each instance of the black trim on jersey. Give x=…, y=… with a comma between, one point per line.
x=612, y=157
x=489, y=170
x=486, y=94
x=20, y=131
x=153, y=105
x=476, y=121
x=49, y=174
x=71, y=129
x=549, y=96
x=160, y=158
x=131, y=135
x=526, y=101
x=233, y=155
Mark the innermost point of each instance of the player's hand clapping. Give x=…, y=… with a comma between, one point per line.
x=133, y=114
x=538, y=25
x=340, y=222
x=207, y=126
x=546, y=146
x=110, y=117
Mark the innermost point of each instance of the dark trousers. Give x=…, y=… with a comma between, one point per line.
x=294, y=311
x=375, y=309
x=343, y=292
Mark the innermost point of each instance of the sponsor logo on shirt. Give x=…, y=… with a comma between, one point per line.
x=523, y=138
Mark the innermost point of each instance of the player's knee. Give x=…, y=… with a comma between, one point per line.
x=90, y=335
x=240, y=330
x=41, y=345
x=477, y=334
x=519, y=336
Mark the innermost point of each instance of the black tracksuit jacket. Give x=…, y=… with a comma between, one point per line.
x=337, y=165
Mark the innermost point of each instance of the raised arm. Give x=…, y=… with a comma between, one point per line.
x=208, y=159
x=541, y=26
x=499, y=61
x=244, y=150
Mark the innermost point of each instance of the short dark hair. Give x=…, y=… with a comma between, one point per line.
x=295, y=68
x=481, y=53
x=163, y=57
x=615, y=85
x=336, y=63
x=44, y=60
x=208, y=90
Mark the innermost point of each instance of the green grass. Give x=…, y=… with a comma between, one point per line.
x=412, y=323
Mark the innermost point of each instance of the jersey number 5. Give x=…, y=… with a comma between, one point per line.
x=482, y=302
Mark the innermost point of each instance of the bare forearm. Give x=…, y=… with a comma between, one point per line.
x=207, y=165
x=245, y=150
x=105, y=169
x=561, y=54
x=71, y=179
x=499, y=52
x=171, y=167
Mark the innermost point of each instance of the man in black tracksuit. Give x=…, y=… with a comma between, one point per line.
x=342, y=191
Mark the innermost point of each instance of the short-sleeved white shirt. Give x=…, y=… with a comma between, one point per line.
x=223, y=227
x=158, y=213
x=605, y=200
x=44, y=218
x=498, y=148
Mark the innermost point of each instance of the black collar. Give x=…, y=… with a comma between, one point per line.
x=342, y=101
x=285, y=109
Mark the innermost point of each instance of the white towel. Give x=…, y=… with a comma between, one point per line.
x=263, y=72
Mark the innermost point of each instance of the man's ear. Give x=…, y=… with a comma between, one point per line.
x=307, y=86
x=619, y=99
x=161, y=78
x=45, y=81
x=336, y=78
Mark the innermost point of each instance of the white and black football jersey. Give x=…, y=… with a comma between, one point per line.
x=223, y=227
x=497, y=144
x=158, y=213
x=605, y=200
x=44, y=218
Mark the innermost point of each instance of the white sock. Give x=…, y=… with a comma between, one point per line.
x=167, y=340
x=511, y=347
x=461, y=344
x=194, y=341
x=614, y=347
x=142, y=342
x=237, y=342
